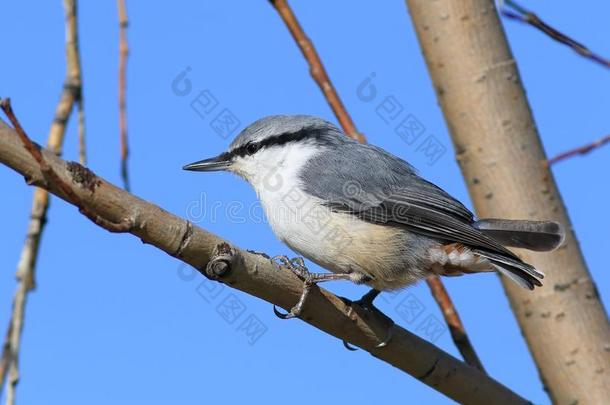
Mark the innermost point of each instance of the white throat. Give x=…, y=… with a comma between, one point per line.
x=274, y=174
x=274, y=171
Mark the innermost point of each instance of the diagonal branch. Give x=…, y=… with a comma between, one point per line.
x=123, y=53
x=581, y=150
x=458, y=332
x=257, y=275
x=50, y=175
x=520, y=13
x=70, y=95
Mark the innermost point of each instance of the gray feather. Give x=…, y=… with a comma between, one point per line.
x=522, y=273
x=382, y=188
x=281, y=124
x=533, y=235
x=523, y=282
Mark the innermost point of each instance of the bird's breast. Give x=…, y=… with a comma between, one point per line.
x=339, y=242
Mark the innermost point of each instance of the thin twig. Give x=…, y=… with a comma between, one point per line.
x=82, y=147
x=6, y=356
x=123, y=53
x=456, y=327
x=519, y=13
x=70, y=95
x=321, y=77
x=316, y=68
x=75, y=77
x=256, y=275
x=16, y=328
x=582, y=150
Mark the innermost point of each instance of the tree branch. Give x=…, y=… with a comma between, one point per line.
x=456, y=327
x=318, y=72
x=519, y=13
x=316, y=68
x=70, y=95
x=123, y=53
x=51, y=176
x=257, y=275
x=581, y=150
x=75, y=77
x=7, y=355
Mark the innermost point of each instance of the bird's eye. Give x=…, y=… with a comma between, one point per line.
x=252, y=148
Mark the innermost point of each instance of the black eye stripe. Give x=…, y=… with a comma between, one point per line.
x=251, y=148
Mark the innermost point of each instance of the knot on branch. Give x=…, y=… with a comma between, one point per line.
x=223, y=257
x=74, y=86
x=83, y=176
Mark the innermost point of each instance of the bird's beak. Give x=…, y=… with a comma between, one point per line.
x=218, y=163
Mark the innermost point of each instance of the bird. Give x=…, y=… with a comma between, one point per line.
x=365, y=214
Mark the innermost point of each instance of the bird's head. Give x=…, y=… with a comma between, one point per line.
x=273, y=145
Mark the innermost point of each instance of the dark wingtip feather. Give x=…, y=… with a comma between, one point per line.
x=540, y=236
x=520, y=272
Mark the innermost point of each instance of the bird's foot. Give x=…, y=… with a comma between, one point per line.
x=366, y=303
x=297, y=267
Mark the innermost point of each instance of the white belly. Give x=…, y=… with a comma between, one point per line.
x=305, y=225
x=341, y=242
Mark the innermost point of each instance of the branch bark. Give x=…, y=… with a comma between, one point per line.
x=318, y=72
x=501, y=156
x=257, y=275
x=70, y=95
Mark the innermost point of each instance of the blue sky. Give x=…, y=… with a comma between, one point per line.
x=116, y=321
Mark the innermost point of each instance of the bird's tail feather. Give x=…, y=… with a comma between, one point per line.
x=522, y=273
x=540, y=236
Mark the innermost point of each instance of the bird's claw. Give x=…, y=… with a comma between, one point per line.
x=379, y=345
x=348, y=346
x=297, y=267
x=281, y=315
x=366, y=303
x=388, y=338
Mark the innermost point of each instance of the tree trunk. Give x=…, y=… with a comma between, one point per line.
x=501, y=156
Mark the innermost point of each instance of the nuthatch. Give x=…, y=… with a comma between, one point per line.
x=365, y=214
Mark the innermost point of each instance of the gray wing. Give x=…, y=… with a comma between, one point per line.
x=378, y=187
